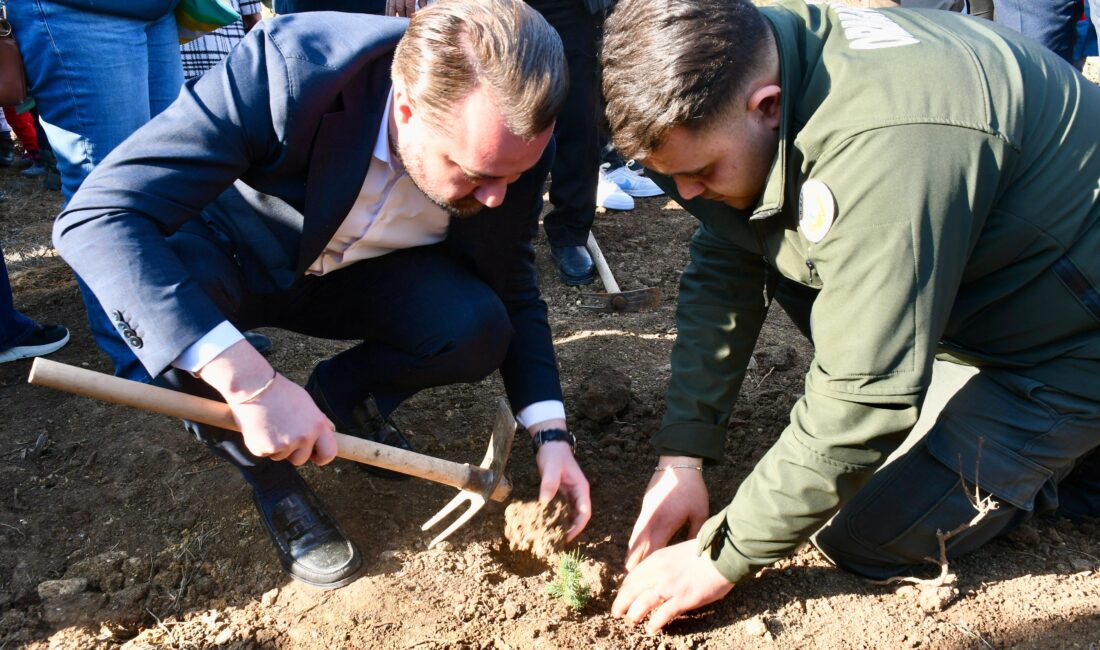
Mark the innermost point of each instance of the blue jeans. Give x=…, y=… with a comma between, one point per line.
x=96, y=78
x=14, y=326
x=1051, y=22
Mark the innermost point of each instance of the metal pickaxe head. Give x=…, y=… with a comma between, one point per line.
x=623, y=301
x=486, y=481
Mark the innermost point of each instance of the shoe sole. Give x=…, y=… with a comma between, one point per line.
x=574, y=281
x=27, y=351
x=621, y=207
x=643, y=194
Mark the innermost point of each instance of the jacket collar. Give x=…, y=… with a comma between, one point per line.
x=786, y=28
x=341, y=156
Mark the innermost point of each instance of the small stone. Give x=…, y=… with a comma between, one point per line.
x=1080, y=564
x=387, y=555
x=60, y=588
x=269, y=597
x=935, y=599
x=512, y=610
x=223, y=637
x=756, y=626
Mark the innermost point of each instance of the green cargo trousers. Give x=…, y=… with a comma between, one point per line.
x=1034, y=449
x=1016, y=439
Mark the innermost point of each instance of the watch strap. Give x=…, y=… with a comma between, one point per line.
x=553, y=435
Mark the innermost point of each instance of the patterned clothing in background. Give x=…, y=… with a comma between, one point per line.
x=206, y=52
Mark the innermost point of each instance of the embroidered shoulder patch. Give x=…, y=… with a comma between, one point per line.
x=816, y=210
x=867, y=29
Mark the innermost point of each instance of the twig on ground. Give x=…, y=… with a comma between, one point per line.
x=983, y=506
x=973, y=634
x=765, y=377
x=21, y=533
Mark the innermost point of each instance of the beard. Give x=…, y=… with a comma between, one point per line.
x=466, y=206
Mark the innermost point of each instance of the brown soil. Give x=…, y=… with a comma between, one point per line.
x=537, y=528
x=116, y=528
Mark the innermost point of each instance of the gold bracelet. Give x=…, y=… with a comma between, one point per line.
x=261, y=389
x=694, y=467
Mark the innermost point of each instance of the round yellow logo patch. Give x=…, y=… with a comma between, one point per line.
x=816, y=210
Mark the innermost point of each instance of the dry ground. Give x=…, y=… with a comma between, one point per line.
x=159, y=546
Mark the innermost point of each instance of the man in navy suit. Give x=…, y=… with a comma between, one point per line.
x=302, y=185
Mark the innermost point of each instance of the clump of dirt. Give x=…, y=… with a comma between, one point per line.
x=604, y=394
x=537, y=528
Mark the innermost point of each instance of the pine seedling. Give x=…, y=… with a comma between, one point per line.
x=569, y=584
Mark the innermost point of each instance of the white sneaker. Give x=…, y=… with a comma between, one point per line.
x=610, y=196
x=630, y=181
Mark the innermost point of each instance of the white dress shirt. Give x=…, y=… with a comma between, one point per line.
x=389, y=214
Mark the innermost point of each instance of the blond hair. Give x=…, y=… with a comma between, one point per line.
x=454, y=46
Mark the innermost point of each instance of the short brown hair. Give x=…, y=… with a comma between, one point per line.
x=669, y=63
x=454, y=46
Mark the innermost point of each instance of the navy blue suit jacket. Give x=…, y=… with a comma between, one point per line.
x=272, y=148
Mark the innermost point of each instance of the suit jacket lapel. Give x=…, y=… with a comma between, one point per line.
x=340, y=158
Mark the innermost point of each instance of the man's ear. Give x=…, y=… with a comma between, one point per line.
x=764, y=103
x=403, y=105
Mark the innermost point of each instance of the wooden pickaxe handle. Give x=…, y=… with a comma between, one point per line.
x=602, y=268
x=113, y=389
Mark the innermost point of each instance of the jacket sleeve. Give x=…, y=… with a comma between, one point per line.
x=721, y=308
x=890, y=268
x=498, y=245
x=114, y=230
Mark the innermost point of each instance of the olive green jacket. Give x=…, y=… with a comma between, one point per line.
x=962, y=173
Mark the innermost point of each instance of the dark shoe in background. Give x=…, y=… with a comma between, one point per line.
x=52, y=178
x=7, y=149
x=34, y=169
x=44, y=339
x=575, y=266
x=365, y=421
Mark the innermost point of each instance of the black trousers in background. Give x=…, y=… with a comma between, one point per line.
x=574, y=172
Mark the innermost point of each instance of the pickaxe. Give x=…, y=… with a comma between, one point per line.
x=615, y=300
x=476, y=484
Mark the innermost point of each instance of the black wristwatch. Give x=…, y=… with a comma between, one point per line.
x=554, y=435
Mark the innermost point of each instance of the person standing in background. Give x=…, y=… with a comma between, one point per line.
x=207, y=51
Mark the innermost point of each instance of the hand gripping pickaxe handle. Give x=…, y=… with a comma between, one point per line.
x=615, y=300
x=488, y=480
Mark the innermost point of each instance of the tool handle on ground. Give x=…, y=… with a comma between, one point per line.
x=109, y=388
x=604, y=270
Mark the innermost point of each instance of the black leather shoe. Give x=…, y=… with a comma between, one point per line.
x=310, y=546
x=366, y=422
x=575, y=266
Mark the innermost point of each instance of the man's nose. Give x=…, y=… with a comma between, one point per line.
x=688, y=189
x=491, y=193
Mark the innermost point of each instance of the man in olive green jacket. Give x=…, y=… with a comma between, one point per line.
x=919, y=191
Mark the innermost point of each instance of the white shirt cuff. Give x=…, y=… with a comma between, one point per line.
x=541, y=412
x=213, y=343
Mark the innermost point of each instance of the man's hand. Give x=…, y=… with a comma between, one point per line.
x=281, y=422
x=559, y=471
x=403, y=8
x=669, y=582
x=674, y=497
